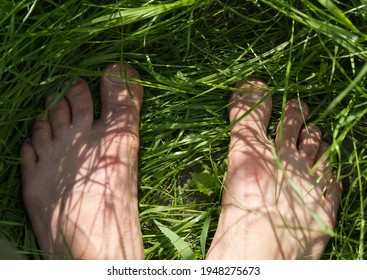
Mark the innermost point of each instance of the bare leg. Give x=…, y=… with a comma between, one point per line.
x=273, y=207
x=80, y=175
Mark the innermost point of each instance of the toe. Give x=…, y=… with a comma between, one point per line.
x=332, y=197
x=321, y=151
x=322, y=167
x=309, y=143
x=41, y=134
x=295, y=114
x=59, y=114
x=252, y=118
x=28, y=157
x=121, y=96
x=333, y=188
x=81, y=103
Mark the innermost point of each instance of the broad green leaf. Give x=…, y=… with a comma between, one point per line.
x=205, y=182
x=181, y=246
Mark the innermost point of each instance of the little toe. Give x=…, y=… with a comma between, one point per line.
x=28, y=157
x=243, y=101
x=59, y=115
x=332, y=188
x=41, y=134
x=321, y=151
x=332, y=197
x=322, y=167
x=295, y=114
x=81, y=103
x=309, y=143
x=121, y=96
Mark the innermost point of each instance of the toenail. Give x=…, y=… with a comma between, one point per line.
x=313, y=128
x=252, y=90
x=119, y=75
x=42, y=116
x=52, y=98
x=324, y=147
x=116, y=80
x=299, y=105
x=68, y=83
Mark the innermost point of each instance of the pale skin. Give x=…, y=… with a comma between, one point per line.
x=80, y=188
x=261, y=211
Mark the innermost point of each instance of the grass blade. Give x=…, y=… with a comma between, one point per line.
x=338, y=14
x=129, y=15
x=344, y=93
x=204, y=235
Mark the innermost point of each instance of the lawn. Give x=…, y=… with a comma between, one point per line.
x=190, y=53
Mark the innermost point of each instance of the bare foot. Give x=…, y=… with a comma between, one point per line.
x=273, y=207
x=80, y=175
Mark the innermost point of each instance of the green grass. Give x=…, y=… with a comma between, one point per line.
x=190, y=54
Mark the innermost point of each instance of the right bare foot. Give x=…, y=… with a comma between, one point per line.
x=80, y=175
x=274, y=207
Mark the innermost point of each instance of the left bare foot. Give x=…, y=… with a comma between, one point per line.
x=80, y=175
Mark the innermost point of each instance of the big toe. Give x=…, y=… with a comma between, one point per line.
x=121, y=95
x=252, y=115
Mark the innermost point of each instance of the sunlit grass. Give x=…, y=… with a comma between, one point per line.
x=190, y=54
